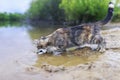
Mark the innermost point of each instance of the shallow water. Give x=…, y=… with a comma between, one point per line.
x=64, y=60
x=17, y=54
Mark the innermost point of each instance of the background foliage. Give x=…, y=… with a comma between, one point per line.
x=70, y=10
x=62, y=11
x=84, y=10
x=11, y=17
x=46, y=10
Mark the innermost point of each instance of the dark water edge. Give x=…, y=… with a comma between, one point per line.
x=11, y=23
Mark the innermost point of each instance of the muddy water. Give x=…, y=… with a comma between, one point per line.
x=19, y=62
x=64, y=60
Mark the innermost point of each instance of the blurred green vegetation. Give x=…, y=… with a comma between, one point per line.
x=77, y=11
x=47, y=10
x=11, y=24
x=63, y=11
x=11, y=17
x=85, y=10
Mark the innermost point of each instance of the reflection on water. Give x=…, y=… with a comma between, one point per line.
x=38, y=31
x=15, y=46
x=64, y=60
x=14, y=41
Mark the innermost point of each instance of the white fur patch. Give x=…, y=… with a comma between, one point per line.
x=41, y=51
x=92, y=46
x=111, y=5
x=51, y=49
x=54, y=50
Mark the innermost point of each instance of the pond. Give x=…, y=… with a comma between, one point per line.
x=17, y=52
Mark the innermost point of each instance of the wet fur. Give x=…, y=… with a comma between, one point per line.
x=79, y=35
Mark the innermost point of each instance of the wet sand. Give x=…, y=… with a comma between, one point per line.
x=107, y=67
